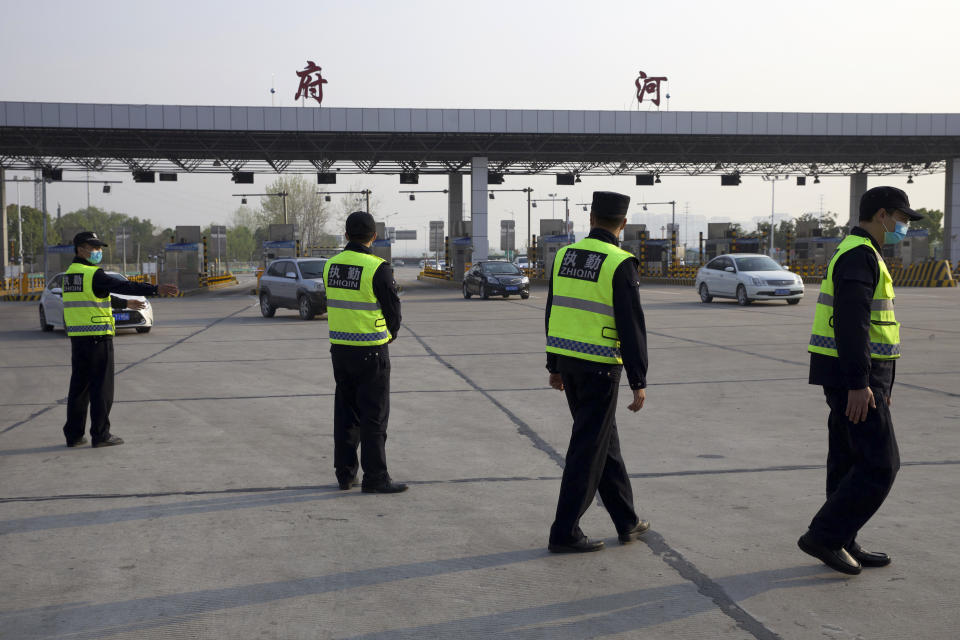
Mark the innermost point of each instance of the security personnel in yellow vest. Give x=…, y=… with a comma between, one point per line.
x=854, y=346
x=363, y=312
x=595, y=329
x=88, y=319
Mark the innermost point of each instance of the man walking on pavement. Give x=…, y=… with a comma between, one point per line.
x=88, y=320
x=595, y=329
x=854, y=346
x=363, y=312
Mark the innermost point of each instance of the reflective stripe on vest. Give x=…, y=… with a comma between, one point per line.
x=884, y=329
x=84, y=314
x=353, y=312
x=582, y=324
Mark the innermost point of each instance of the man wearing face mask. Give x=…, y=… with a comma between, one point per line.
x=854, y=346
x=88, y=319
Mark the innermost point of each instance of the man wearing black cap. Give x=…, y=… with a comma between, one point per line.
x=595, y=329
x=88, y=319
x=363, y=312
x=854, y=346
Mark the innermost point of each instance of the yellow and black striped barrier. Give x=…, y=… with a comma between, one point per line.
x=924, y=274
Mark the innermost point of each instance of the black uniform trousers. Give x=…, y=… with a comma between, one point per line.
x=360, y=412
x=862, y=462
x=593, y=461
x=91, y=387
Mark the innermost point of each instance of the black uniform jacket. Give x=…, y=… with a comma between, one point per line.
x=630, y=324
x=855, y=277
x=385, y=289
x=105, y=284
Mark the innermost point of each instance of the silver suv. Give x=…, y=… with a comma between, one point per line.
x=293, y=283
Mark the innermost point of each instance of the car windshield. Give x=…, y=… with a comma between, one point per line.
x=116, y=275
x=312, y=268
x=757, y=263
x=500, y=267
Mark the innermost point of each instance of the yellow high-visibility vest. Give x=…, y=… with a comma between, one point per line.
x=84, y=314
x=884, y=328
x=353, y=312
x=582, y=324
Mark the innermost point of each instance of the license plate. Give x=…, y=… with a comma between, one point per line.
x=121, y=316
x=511, y=288
x=782, y=292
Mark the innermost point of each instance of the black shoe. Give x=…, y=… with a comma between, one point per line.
x=868, y=558
x=583, y=545
x=386, y=486
x=348, y=483
x=837, y=559
x=77, y=443
x=112, y=441
x=634, y=534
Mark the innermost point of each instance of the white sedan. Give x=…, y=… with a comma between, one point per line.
x=747, y=277
x=51, y=308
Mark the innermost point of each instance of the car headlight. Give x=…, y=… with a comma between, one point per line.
x=757, y=281
x=492, y=280
x=524, y=280
x=799, y=279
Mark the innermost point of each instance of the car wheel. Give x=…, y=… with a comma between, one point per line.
x=794, y=301
x=306, y=309
x=466, y=292
x=43, y=321
x=266, y=309
x=484, y=292
x=742, y=298
x=705, y=293
x=143, y=329
x=524, y=296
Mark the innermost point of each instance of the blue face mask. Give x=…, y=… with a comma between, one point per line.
x=96, y=256
x=899, y=233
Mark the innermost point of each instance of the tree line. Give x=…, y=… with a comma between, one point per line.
x=318, y=221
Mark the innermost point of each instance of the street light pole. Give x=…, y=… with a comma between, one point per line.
x=773, y=183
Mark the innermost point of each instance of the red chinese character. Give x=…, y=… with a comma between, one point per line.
x=311, y=87
x=649, y=85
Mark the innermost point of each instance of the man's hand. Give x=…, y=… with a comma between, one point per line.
x=556, y=381
x=639, y=395
x=168, y=289
x=136, y=304
x=859, y=402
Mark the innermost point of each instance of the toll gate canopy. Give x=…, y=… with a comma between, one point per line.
x=487, y=143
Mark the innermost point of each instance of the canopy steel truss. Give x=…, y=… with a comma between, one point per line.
x=181, y=151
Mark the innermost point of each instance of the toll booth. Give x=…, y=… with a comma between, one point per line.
x=183, y=259
x=59, y=257
x=281, y=242
x=553, y=237
x=381, y=246
x=814, y=250
x=458, y=249
x=915, y=247
x=721, y=238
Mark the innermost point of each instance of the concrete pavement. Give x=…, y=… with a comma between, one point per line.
x=220, y=517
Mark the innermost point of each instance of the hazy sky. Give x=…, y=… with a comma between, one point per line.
x=848, y=56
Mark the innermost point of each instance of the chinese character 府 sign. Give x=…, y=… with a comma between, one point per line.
x=311, y=83
x=649, y=85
